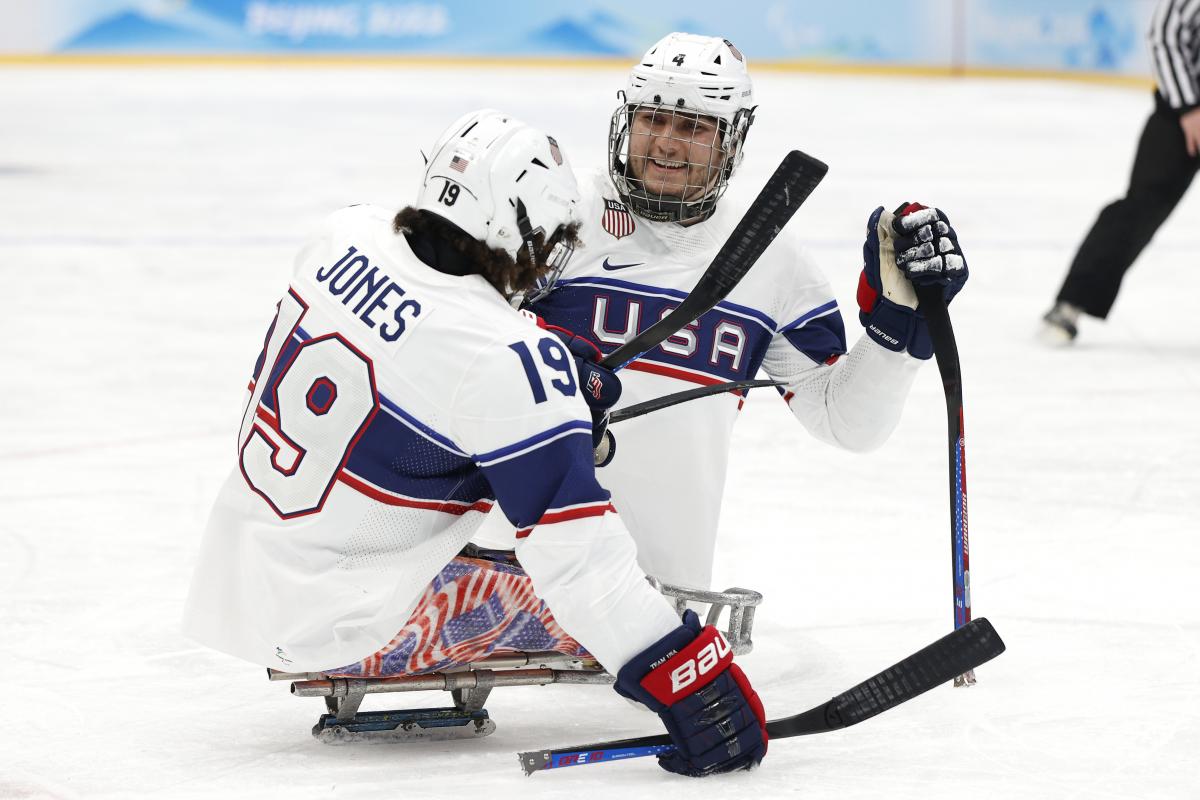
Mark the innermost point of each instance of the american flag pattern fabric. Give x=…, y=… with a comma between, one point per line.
x=616, y=220
x=473, y=608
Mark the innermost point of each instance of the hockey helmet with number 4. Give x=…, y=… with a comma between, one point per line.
x=504, y=183
x=686, y=75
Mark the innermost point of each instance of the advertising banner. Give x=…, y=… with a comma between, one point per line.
x=1086, y=35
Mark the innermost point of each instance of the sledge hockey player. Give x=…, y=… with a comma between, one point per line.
x=650, y=224
x=397, y=398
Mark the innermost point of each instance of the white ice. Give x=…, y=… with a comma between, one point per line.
x=147, y=221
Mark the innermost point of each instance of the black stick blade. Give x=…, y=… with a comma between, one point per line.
x=965, y=649
x=785, y=191
x=971, y=645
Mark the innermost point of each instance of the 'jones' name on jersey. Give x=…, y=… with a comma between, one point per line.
x=353, y=277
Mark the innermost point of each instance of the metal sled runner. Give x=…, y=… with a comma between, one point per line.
x=471, y=684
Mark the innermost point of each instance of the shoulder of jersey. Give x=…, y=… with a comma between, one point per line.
x=787, y=253
x=500, y=343
x=506, y=324
x=470, y=307
x=595, y=188
x=790, y=242
x=593, y=181
x=605, y=219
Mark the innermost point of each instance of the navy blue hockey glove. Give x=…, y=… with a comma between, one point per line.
x=600, y=386
x=913, y=245
x=713, y=715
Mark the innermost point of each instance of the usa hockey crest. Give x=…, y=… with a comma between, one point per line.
x=616, y=219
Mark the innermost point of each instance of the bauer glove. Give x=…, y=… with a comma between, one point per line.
x=601, y=390
x=913, y=245
x=713, y=715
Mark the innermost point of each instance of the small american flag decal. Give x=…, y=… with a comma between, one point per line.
x=459, y=164
x=555, y=153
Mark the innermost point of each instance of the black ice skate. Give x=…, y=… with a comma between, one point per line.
x=1060, y=326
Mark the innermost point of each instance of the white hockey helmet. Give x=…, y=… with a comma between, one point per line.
x=502, y=182
x=686, y=74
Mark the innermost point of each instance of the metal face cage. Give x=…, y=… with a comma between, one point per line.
x=671, y=163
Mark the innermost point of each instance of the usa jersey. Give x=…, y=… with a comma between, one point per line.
x=668, y=475
x=391, y=407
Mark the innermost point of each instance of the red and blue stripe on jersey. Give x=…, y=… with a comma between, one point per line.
x=565, y=452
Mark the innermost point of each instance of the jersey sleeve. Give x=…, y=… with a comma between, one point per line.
x=810, y=322
x=851, y=401
x=520, y=413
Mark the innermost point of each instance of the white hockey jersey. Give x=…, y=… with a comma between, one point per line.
x=668, y=475
x=390, y=405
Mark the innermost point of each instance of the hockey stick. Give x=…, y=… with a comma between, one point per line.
x=675, y=398
x=933, y=305
x=791, y=184
x=954, y=654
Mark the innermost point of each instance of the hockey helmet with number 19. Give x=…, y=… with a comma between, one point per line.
x=504, y=183
x=684, y=75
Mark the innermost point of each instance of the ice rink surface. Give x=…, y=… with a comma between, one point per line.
x=148, y=217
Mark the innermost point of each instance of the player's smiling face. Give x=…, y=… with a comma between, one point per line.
x=674, y=153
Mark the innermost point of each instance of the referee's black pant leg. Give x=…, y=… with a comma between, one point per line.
x=1162, y=172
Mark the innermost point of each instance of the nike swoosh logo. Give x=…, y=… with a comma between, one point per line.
x=609, y=266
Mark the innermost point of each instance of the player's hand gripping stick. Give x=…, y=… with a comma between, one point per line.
x=961, y=651
x=712, y=714
x=601, y=389
x=926, y=251
x=905, y=250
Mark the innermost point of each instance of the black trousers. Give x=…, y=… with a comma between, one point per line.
x=1162, y=172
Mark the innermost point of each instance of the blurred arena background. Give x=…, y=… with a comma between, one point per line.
x=1084, y=38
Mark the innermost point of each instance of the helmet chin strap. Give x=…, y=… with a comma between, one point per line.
x=553, y=265
x=527, y=232
x=668, y=208
x=662, y=207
